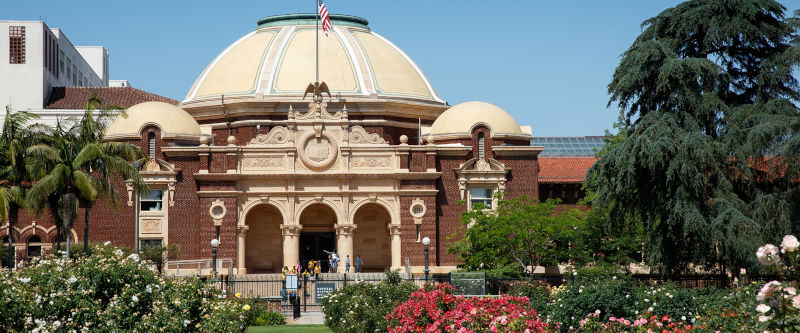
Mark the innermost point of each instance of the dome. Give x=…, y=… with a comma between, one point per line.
x=277, y=61
x=172, y=120
x=459, y=121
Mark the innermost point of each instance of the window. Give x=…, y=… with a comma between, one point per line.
x=151, y=243
x=418, y=234
x=480, y=196
x=151, y=145
x=16, y=45
x=152, y=201
x=34, y=246
x=60, y=61
x=417, y=209
x=480, y=146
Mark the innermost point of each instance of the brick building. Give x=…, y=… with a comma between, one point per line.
x=369, y=169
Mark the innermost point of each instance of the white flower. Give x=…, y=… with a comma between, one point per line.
x=107, y=243
x=186, y=322
x=57, y=324
x=118, y=253
x=789, y=243
x=768, y=255
x=683, y=318
x=134, y=257
x=72, y=279
x=763, y=308
x=134, y=298
x=25, y=280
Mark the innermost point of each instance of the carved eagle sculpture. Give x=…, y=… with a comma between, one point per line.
x=317, y=88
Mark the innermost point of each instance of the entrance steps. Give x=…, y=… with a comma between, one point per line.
x=307, y=318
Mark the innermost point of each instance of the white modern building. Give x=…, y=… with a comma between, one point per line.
x=34, y=58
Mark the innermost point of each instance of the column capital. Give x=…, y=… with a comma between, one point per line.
x=344, y=229
x=291, y=229
x=395, y=229
x=242, y=229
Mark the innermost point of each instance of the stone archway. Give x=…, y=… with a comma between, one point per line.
x=318, y=221
x=263, y=242
x=371, y=237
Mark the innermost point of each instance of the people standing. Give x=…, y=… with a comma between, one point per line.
x=359, y=262
x=330, y=264
x=347, y=264
x=334, y=258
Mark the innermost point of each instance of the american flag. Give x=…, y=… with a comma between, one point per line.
x=323, y=14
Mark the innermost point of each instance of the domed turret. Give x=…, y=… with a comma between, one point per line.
x=459, y=121
x=172, y=120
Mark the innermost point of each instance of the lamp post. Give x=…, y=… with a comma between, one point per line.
x=214, y=244
x=425, y=242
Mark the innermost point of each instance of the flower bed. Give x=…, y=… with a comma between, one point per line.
x=438, y=310
x=112, y=291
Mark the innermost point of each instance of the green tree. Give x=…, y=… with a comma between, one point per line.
x=518, y=236
x=159, y=255
x=710, y=162
x=17, y=133
x=75, y=165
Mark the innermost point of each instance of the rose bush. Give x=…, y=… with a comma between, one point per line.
x=112, y=291
x=362, y=307
x=436, y=309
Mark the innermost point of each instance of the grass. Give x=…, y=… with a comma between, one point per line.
x=289, y=328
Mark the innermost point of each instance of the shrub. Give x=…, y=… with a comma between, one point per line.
x=362, y=306
x=538, y=292
x=438, y=310
x=612, y=295
x=264, y=316
x=109, y=291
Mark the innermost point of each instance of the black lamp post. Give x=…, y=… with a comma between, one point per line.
x=425, y=242
x=214, y=244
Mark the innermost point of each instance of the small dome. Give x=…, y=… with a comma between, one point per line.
x=277, y=61
x=459, y=121
x=172, y=120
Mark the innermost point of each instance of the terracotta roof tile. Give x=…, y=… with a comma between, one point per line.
x=75, y=98
x=564, y=169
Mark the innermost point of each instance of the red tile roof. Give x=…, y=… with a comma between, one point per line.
x=75, y=98
x=564, y=169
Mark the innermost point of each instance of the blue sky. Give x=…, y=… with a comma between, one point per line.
x=546, y=62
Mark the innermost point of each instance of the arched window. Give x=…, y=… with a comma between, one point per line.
x=481, y=146
x=34, y=245
x=151, y=145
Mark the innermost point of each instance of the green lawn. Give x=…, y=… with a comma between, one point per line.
x=289, y=328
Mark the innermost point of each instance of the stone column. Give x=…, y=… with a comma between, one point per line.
x=395, y=230
x=240, y=253
x=344, y=244
x=291, y=244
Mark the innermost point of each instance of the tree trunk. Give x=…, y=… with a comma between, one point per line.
x=86, y=207
x=58, y=238
x=68, y=210
x=13, y=214
x=68, y=227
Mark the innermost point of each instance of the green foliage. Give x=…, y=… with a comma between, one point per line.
x=521, y=233
x=159, y=255
x=611, y=294
x=111, y=292
x=363, y=306
x=537, y=291
x=709, y=163
x=264, y=316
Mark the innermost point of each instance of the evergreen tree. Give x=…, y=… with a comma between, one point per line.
x=711, y=161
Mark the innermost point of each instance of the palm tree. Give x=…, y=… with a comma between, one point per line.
x=16, y=134
x=76, y=166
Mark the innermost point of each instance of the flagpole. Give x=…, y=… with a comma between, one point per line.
x=316, y=3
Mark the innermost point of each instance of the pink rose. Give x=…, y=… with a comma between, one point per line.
x=767, y=255
x=796, y=301
x=789, y=243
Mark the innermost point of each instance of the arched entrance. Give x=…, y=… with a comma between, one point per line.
x=371, y=238
x=264, y=242
x=317, y=235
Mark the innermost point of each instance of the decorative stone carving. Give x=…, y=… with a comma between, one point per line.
x=395, y=229
x=129, y=187
x=151, y=226
x=358, y=135
x=242, y=229
x=152, y=165
x=370, y=162
x=291, y=229
x=344, y=229
x=318, y=153
x=262, y=162
x=276, y=136
x=217, y=211
x=171, y=190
